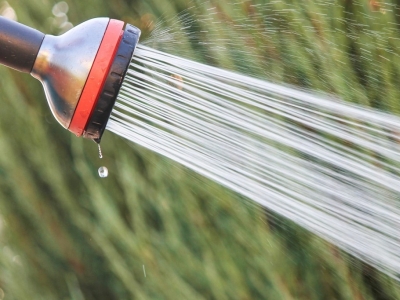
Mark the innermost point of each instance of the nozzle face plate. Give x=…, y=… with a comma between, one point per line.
x=63, y=64
x=109, y=93
x=97, y=76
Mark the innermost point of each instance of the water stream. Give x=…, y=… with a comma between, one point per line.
x=330, y=166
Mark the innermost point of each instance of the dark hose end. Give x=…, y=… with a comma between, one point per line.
x=19, y=45
x=102, y=111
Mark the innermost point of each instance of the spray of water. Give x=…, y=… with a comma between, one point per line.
x=329, y=166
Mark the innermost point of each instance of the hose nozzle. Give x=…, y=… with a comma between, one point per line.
x=81, y=70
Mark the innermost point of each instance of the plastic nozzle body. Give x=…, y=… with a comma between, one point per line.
x=19, y=45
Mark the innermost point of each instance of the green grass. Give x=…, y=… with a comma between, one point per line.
x=67, y=234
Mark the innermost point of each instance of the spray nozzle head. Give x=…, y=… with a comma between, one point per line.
x=81, y=70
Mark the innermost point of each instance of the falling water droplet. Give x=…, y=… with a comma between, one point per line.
x=100, y=152
x=103, y=172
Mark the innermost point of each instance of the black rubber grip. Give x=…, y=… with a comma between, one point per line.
x=101, y=113
x=19, y=45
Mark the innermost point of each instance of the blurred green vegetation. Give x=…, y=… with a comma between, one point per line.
x=65, y=233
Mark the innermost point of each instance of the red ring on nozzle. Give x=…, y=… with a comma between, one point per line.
x=97, y=76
